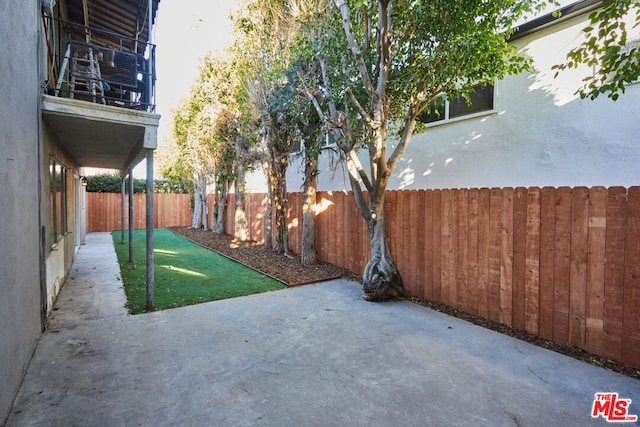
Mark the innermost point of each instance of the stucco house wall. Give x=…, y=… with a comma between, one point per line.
x=19, y=209
x=59, y=255
x=539, y=134
x=33, y=265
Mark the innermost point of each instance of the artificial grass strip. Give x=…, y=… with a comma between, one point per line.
x=184, y=273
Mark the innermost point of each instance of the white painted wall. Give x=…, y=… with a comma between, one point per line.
x=541, y=135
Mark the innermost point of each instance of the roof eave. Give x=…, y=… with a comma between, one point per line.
x=554, y=18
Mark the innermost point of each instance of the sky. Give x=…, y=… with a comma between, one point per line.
x=185, y=31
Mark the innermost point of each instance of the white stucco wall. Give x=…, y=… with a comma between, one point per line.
x=541, y=135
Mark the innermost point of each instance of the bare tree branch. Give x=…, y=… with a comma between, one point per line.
x=365, y=116
x=362, y=67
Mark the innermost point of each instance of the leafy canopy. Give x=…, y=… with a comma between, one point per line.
x=607, y=48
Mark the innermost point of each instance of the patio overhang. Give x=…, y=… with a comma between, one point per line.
x=101, y=136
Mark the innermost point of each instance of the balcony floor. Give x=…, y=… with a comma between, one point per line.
x=98, y=135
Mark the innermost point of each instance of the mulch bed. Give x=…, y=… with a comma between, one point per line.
x=286, y=269
x=289, y=271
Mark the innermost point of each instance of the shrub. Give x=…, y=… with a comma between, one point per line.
x=113, y=184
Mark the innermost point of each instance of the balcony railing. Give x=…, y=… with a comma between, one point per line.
x=99, y=66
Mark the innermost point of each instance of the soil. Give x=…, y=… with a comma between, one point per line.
x=288, y=270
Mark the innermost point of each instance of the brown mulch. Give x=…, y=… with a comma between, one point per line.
x=286, y=269
x=289, y=271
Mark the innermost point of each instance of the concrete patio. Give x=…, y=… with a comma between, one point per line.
x=317, y=355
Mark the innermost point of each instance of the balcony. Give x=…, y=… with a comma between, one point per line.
x=98, y=98
x=103, y=67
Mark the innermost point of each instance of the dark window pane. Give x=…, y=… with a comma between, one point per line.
x=434, y=111
x=481, y=100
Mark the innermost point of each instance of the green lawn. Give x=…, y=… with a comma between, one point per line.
x=185, y=273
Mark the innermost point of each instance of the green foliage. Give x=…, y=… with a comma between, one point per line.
x=113, y=184
x=608, y=50
x=171, y=186
x=440, y=47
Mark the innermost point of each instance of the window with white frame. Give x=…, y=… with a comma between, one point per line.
x=442, y=110
x=57, y=200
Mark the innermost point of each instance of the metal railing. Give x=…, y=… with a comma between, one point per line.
x=99, y=66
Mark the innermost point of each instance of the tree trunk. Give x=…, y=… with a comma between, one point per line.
x=268, y=214
x=205, y=210
x=281, y=204
x=200, y=203
x=309, y=253
x=278, y=171
x=241, y=231
x=220, y=205
x=381, y=279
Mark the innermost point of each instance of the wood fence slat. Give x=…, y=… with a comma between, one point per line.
x=484, y=230
x=341, y=241
x=472, y=245
x=631, y=308
x=578, y=282
x=321, y=228
x=336, y=228
x=262, y=206
x=614, y=272
x=519, y=256
x=391, y=221
x=452, y=257
x=156, y=203
x=350, y=225
x=257, y=215
x=404, y=244
x=495, y=246
x=418, y=220
x=506, y=257
x=366, y=244
x=562, y=268
x=446, y=248
x=437, y=245
x=429, y=246
x=297, y=221
x=547, y=260
x=595, y=269
x=331, y=228
x=462, y=249
x=532, y=262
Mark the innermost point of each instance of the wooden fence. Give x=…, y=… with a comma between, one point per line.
x=104, y=211
x=561, y=263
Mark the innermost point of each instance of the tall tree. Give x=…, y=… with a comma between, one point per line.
x=267, y=31
x=304, y=79
x=234, y=129
x=393, y=59
x=607, y=48
x=204, y=132
x=192, y=136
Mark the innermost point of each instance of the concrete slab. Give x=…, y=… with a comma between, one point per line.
x=317, y=355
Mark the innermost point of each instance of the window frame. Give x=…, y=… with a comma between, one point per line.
x=447, y=104
x=58, y=174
